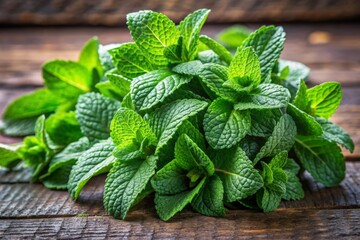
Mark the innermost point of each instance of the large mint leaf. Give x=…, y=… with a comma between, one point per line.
x=9, y=157
x=334, y=133
x=167, y=206
x=224, y=126
x=209, y=201
x=306, y=124
x=18, y=128
x=90, y=58
x=263, y=122
x=125, y=182
x=219, y=49
x=324, y=99
x=244, y=69
x=152, y=88
x=191, y=158
x=129, y=61
x=152, y=32
x=209, y=56
x=321, y=158
x=294, y=190
x=94, y=113
x=58, y=179
x=282, y=138
x=266, y=96
x=128, y=127
x=166, y=120
x=268, y=42
x=98, y=159
x=188, y=68
x=214, y=76
x=190, y=30
x=301, y=99
x=237, y=173
x=121, y=83
x=66, y=78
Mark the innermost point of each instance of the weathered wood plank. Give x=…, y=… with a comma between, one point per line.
x=282, y=224
x=33, y=200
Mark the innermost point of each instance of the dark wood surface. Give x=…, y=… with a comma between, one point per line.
x=32, y=211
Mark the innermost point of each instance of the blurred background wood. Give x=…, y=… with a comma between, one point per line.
x=112, y=13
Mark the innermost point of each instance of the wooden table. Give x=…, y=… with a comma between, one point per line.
x=32, y=211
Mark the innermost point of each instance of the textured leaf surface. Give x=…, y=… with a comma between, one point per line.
x=322, y=159
x=16, y=128
x=297, y=72
x=263, y=122
x=98, y=159
x=121, y=83
x=152, y=32
x=282, y=138
x=152, y=88
x=305, y=124
x=219, y=49
x=168, y=205
x=224, y=126
x=324, y=99
x=209, y=201
x=188, y=68
x=266, y=96
x=166, y=120
x=94, y=113
x=125, y=182
x=301, y=99
x=334, y=133
x=237, y=173
x=268, y=42
x=129, y=60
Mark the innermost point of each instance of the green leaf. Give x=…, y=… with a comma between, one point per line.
x=58, y=179
x=9, y=157
x=128, y=127
x=125, y=182
x=34, y=104
x=129, y=60
x=282, y=138
x=263, y=122
x=301, y=99
x=19, y=128
x=244, y=69
x=152, y=88
x=214, y=76
x=321, y=158
x=334, y=133
x=190, y=30
x=209, y=56
x=94, y=113
x=219, y=49
x=324, y=99
x=191, y=158
x=89, y=57
x=232, y=37
x=268, y=42
x=67, y=79
x=188, y=68
x=239, y=177
x=63, y=128
x=167, y=206
x=98, y=159
x=167, y=119
x=109, y=90
x=105, y=57
x=121, y=83
x=224, y=126
x=209, y=201
x=268, y=200
x=266, y=96
x=152, y=32
x=294, y=190
x=305, y=124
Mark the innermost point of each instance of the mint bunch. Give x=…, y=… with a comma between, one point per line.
x=177, y=114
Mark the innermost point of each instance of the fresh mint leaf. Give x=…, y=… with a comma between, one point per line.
x=129, y=60
x=225, y=126
x=209, y=56
x=268, y=43
x=321, y=158
x=301, y=99
x=125, y=182
x=237, y=173
x=282, y=138
x=219, y=49
x=98, y=159
x=190, y=30
x=152, y=88
x=152, y=32
x=94, y=112
x=165, y=120
x=324, y=99
x=90, y=58
x=19, y=128
x=58, y=179
x=232, y=37
x=168, y=205
x=266, y=96
x=334, y=133
x=109, y=90
x=188, y=68
x=263, y=122
x=294, y=190
x=9, y=157
x=209, y=201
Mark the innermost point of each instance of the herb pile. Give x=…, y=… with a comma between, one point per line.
x=176, y=113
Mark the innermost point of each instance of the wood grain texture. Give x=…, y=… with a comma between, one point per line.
x=281, y=224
